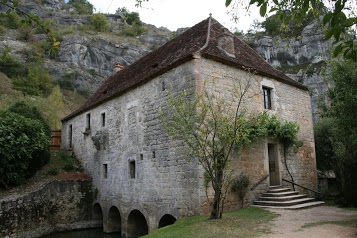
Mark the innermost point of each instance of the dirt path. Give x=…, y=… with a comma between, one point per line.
x=290, y=223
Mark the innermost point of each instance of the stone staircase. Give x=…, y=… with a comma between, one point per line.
x=281, y=197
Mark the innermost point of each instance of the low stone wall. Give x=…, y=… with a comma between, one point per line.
x=53, y=206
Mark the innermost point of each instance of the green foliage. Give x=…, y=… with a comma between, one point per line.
x=9, y=65
x=338, y=129
x=21, y=141
x=335, y=20
x=134, y=30
x=65, y=161
x=325, y=132
x=130, y=17
x=10, y=20
x=99, y=22
x=82, y=6
x=37, y=81
x=212, y=127
x=55, y=108
x=240, y=186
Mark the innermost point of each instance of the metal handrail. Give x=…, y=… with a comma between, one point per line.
x=259, y=182
x=316, y=192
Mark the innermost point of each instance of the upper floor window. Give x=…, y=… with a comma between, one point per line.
x=267, y=97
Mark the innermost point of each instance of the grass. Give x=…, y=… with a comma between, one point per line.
x=351, y=223
x=246, y=222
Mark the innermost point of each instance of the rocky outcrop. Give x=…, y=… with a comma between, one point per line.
x=302, y=58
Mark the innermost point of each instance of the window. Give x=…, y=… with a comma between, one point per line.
x=103, y=119
x=163, y=86
x=88, y=121
x=153, y=154
x=105, y=171
x=267, y=97
x=132, y=169
x=141, y=156
x=70, y=135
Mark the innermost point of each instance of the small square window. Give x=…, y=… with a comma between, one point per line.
x=132, y=169
x=103, y=119
x=267, y=97
x=105, y=171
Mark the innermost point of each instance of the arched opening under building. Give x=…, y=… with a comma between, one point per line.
x=114, y=220
x=137, y=224
x=166, y=220
x=97, y=214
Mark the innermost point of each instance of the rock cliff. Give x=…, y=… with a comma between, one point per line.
x=86, y=59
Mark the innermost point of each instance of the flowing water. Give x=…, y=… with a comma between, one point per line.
x=91, y=233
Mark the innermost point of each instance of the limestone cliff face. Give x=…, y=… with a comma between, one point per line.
x=302, y=58
x=87, y=59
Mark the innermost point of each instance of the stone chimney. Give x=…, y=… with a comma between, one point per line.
x=226, y=44
x=117, y=67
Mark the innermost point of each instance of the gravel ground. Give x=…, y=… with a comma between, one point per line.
x=290, y=223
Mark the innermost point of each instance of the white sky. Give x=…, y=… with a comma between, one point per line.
x=174, y=14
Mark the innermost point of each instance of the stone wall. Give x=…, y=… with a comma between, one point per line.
x=53, y=206
x=288, y=104
x=133, y=163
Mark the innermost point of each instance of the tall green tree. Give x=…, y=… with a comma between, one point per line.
x=55, y=108
x=337, y=131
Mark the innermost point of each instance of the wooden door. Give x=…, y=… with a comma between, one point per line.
x=273, y=165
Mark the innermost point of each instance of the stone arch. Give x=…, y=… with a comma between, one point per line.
x=166, y=220
x=97, y=213
x=137, y=224
x=114, y=220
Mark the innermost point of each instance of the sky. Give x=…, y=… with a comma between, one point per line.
x=174, y=14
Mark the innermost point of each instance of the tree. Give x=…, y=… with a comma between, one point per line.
x=99, y=22
x=337, y=140
x=212, y=125
x=21, y=141
x=82, y=6
x=55, y=107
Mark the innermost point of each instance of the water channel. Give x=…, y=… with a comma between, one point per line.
x=88, y=233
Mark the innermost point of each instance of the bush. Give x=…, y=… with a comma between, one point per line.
x=67, y=162
x=42, y=156
x=134, y=30
x=10, y=20
x=21, y=141
x=37, y=81
x=99, y=22
x=9, y=65
x=240, y=186
x=82, y=6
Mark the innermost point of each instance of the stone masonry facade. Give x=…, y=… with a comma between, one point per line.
x=164, y=180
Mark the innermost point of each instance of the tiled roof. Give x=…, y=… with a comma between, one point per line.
x=178, y=51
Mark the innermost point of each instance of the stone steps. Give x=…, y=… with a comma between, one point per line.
x=280, y=197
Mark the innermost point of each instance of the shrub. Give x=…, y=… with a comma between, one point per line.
x=10, y=20
x=134, y=30
x=21, y=140
x=240, y=186
x=99, y=22
x=42, y=156
x=37, y=81
x=10, y=66
x=82, y=6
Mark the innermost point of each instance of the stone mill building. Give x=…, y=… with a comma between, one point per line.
x=141, y=178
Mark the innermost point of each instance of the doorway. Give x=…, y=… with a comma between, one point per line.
x=273, y=165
